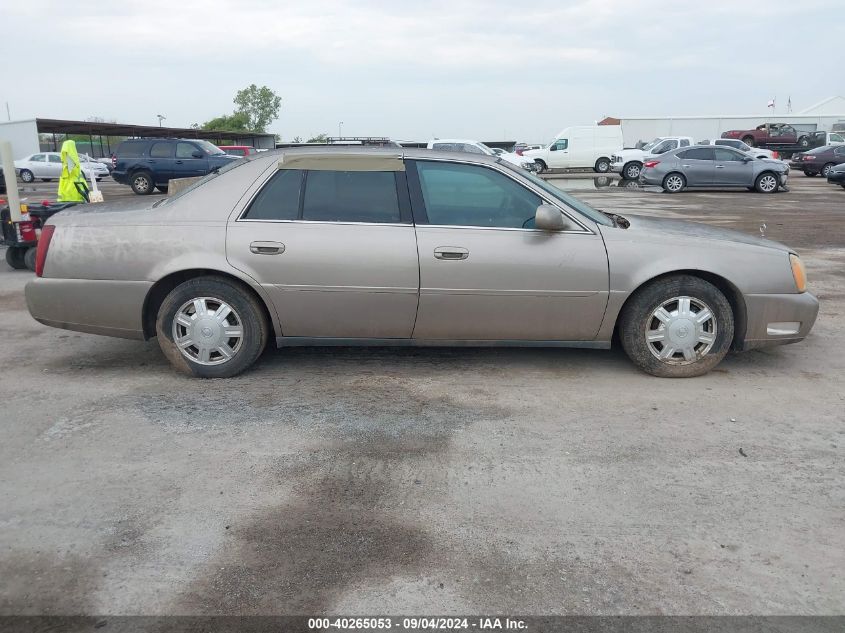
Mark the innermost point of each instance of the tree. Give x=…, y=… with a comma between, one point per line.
x=320, y=138
x=235, y=122
x=297, y=139
x=260, y=106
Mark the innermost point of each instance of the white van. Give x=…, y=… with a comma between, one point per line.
x=578, y=147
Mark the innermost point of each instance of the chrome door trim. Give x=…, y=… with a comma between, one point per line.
x=310, y=341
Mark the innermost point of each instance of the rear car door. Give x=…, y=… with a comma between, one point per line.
x=54, y=165
x=37, y=164
x=732, y=168
x=487, y=274
x=190, y=161
x=162, y=160
x=336, y=249
x=697, y=166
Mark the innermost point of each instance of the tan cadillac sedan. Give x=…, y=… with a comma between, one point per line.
x=384, y=247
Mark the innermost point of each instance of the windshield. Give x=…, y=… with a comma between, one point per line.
x=209, y=176
x=209, y=147
x=573, y=203
x=648, y=146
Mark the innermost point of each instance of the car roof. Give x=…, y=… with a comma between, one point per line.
x=302, y=156
x=453, y=140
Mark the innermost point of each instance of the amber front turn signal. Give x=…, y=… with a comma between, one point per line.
x=798, y=272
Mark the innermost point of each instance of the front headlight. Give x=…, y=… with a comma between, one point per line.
x=798, y=272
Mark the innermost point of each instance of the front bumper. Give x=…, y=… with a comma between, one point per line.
x=778, y=319
x=836, y=177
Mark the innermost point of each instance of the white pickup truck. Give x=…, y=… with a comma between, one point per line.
x=629, y=162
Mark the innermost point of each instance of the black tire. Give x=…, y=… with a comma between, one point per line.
x=29, y=258
x=631, y=171
x=142, y=183
x=15, y=257
x=749, y=140
x=668, y=183
x=26, y=175
x=761, y=183
x=602, y=165
x=541, y=166
x=162, y=188
x=45, y=180
x=804, y=141
x=809, y=174
x=249, y=313
x=826, y=169
x=637, y=318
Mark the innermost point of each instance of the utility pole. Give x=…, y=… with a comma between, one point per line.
x=8, y=114
x=340, y=129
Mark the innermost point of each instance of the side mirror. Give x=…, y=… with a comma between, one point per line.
x=197, y=154
x=548, y=218
x=747, y=159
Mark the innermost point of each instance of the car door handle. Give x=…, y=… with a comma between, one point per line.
x=451, y=252
x=267, y=248
x=720, y=166
x=686, y=166
x=178, y=162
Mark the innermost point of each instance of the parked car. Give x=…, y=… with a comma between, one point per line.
x=362, y=247
x=149, y=163
x=754, y=152
x=771, y=134
x=819, y=161
x=629, y=162
x=584, y=146
x=238, y=150
x=836, y=175
x=474, y=147
x=521, y=147
x=48, y=166
x=100, y=169
x=708, y=166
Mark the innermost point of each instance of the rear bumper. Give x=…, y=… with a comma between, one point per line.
x=96, y=306
x=778, y=319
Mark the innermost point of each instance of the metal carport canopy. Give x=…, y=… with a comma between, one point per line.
x=60, y=126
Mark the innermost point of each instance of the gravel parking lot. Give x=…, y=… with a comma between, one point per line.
x=362, y=481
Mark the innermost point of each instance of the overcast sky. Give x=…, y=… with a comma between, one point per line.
x=485, y=69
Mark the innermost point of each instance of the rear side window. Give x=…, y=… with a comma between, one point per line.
x=161, y=150
x=350, y=196
x=684, y=142
x=56, y=159
x=697, y=153
x=131, y=149
x=236, y=152
x=728, y=155
x=279, y=198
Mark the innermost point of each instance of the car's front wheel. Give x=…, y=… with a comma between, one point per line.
x=541, y=166
x=631, y=171
x=211, y=327
x=677, y=327
x=767, y=182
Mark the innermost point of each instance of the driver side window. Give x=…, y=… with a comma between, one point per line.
x=470, y=195
x=560, y=144
x=185, y=150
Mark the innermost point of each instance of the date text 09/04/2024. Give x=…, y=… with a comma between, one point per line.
x=418, y=624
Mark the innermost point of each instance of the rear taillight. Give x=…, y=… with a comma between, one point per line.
x=27, y=231
x=651, y=163
x=809, y=157
x=519, y=152
x=775, y=155
x=43, y=245
x=113, y=161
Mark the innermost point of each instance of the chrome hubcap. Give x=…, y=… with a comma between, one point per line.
x=207, y=331
x=674, y=183
x=768, y=183
x=141, y=184
x=681, y=331
x=632, y=172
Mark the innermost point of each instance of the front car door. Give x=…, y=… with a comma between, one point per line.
x=732, y=168
x=486, y=274
x=190, y=161
x=697, y=166
x=331, y=238
x=559, y=154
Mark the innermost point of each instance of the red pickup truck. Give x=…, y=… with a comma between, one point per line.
x=770, y=134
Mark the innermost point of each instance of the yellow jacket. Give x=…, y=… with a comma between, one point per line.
x=71, y=174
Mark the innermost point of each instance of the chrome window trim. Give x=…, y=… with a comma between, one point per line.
x=325, y=222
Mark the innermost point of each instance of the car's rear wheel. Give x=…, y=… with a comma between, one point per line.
x=748, y=140
x=674, y=182
x=541, y=166
x=677, y=327
x=26, y=175
x=211, y=328
x=602, y=165
x=826, y=169
x=631, y=171
x=29, y=258
x=767, y=182
x=142, y=183
x=804, y=141
x=15, y=257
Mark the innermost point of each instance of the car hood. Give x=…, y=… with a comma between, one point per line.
x=630, y=152
x=683, y=229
